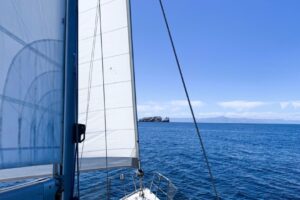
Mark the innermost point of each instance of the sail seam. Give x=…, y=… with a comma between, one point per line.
x=114, y=149
x=90, y=75
x=27, y=104
x=106, y=84
x=111, y=108
x=92, y=8
x=24, y=44
x=104, y=33
x=104, y=102
x=28, y=148
x=104, y=58
x=111, y=130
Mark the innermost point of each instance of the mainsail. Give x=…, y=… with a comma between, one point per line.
x=106, y=85
x=31, y=82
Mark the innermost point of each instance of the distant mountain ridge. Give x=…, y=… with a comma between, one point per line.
x=223, y=119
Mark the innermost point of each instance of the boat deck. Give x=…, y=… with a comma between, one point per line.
x=144, y=194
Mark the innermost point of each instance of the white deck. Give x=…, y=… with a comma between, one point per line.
x=137, y=195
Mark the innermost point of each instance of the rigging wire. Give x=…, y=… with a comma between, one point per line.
x=77, y=166
x=140, y=172
x=88, y=99
x=104, y=102
x=133, y=77
x=189, y=101
x=90, y=76
x=76, y=157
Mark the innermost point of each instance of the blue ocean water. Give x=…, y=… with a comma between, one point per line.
x=248, y=161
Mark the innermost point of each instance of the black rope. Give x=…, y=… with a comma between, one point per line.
x=189, y=101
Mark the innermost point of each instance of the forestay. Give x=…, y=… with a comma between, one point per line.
x=108, y=109
x=31, y=82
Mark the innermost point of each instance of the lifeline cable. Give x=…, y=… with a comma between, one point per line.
x=189, y=101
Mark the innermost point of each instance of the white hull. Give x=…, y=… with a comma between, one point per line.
x=144, y=194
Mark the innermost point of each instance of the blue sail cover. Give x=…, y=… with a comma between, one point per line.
x=31, y=82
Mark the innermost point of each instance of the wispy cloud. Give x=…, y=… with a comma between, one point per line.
x=234, y=109
x=296, y=104
x=286, y=104
x=241, y=105
x=252, y=115
x=150, y=107
x=173, y=108
x=185, y=103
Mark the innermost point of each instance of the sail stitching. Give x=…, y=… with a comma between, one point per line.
x=105, y=32
x=111, y=108
x=23, y=43
x=92, y=8
x=104, y=102
x=106, y=57
x=90, y=78
x=106, y=84
x=27, y=104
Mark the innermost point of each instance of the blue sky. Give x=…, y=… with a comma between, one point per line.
x=239, y=58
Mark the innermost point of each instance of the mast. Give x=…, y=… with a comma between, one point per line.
x=70, y=112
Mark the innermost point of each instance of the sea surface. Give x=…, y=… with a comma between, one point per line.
x=248, y=161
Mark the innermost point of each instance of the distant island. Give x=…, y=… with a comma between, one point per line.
x=154, y=119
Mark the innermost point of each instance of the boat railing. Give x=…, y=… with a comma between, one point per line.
x=122, y=184
x=162, y=187
x=126, y=183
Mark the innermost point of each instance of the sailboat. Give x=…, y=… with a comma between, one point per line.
x=67, y=95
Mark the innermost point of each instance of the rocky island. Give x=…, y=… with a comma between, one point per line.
x=154, y=119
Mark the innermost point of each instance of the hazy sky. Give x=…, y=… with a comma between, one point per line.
x=240, y=58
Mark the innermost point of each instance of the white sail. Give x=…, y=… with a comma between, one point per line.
x=31, y=82
x=109, y=112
